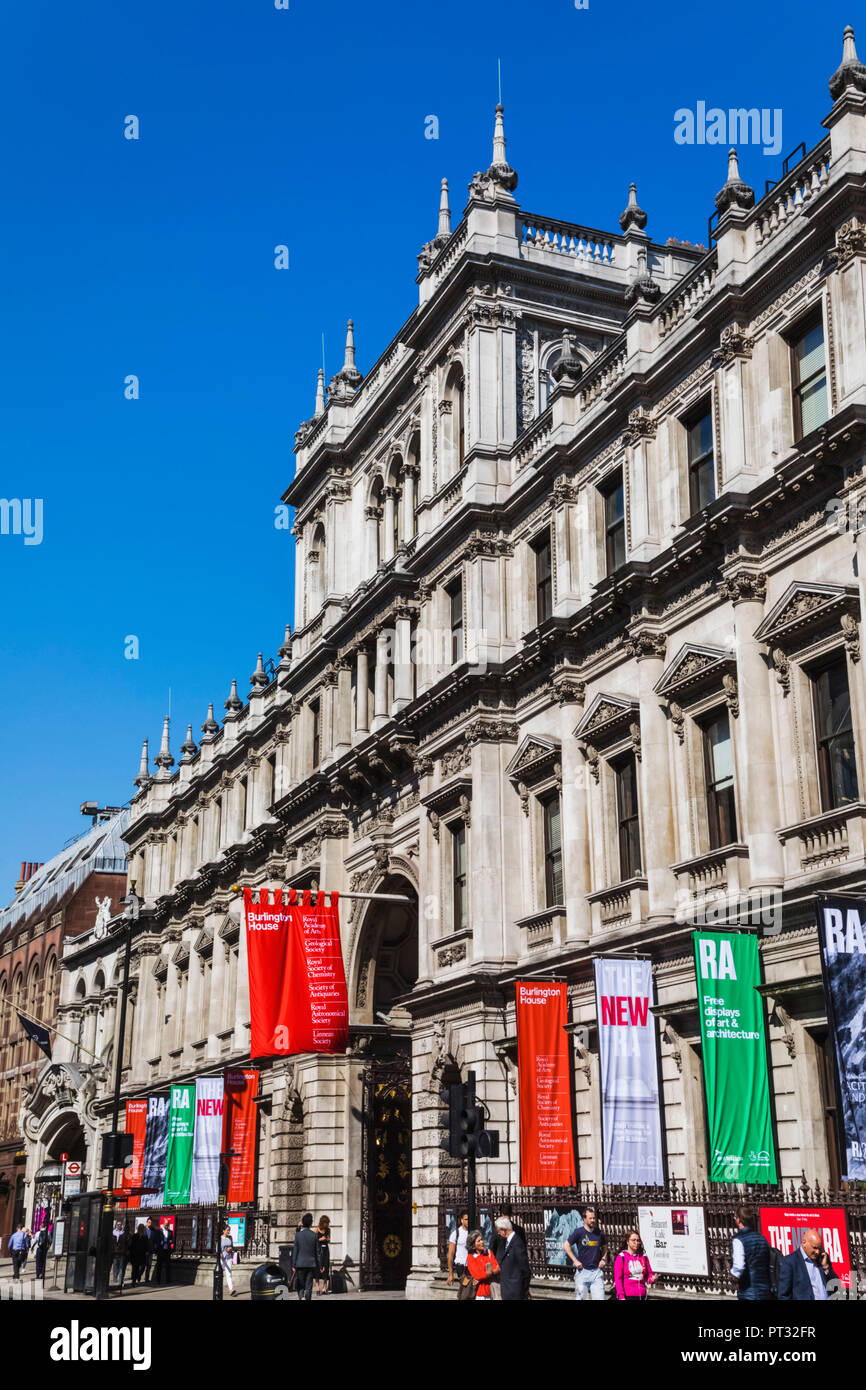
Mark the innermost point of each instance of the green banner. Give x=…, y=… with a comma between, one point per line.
x=735, y=1058
x=181, y=1127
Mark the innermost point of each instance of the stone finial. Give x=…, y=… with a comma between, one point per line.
x=233, y=704
x=187, y=748
x=285, y=651
x=735, y=193
x=850, y=72
x=144, y=767
x=568, y=366
x=500, y=170
x=444, y=213
x=259, y=678
x=633, y=216
x=643, y=286
x=320, y=392
x=347, y=380
x=163, y=759
x=210, y=728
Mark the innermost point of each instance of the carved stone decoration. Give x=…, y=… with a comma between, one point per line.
x=634, y=730
x=744, y=586
x=435, y=825
x=850, y=242
x=591, y=755
x=451, y=955
x=525, y=378
x=523, y=793
x=678, y=720
x=783, y=670
x=851, y=631
x=641, y=425
x=568, y=688
x=564, y=490
x=732, y=698
x=646, y=643
x=672, y=1036
x=734, y=342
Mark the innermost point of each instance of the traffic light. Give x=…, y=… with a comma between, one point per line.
x=471, y=1125
x=452, y=1098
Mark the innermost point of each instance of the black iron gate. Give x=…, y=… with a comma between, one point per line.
x=386, y=1201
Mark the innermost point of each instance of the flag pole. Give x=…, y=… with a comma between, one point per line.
x=56, y=1031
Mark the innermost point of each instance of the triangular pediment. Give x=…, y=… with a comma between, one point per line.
x=606, y=712
x=204, y=942
x=805, y=606
x=533, y=752
x=692, y=667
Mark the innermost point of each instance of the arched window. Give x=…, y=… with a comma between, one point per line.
x=316, y=572
x=32, y=1003
x=5, y=1024
x=50, y=1003
x=453, y=420
x=80, y=994
x=99, y=1041
x=375, y=523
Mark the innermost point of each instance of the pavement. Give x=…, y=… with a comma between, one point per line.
x=140, y=1295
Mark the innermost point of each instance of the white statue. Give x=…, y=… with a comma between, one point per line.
x=103, y=916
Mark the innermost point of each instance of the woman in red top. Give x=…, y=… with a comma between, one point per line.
x=480, y=1265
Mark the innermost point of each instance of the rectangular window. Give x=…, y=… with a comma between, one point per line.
x=455, y=599
x=316, y=731
x=834, y=735
x=809, y=375
x=719, y=776
x=218, y=833
x=458, y=873
x=627, y=817
x=244, y=802
x=543, y=580
x=613, y=497
x=553, y=885
x=702, y=466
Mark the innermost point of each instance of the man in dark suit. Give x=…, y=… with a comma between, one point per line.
x=305, y=1261
x=515, y=1274
x=803, y=1274
x=497, y=1244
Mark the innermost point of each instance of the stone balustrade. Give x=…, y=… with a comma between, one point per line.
x=689, y=294
x=791, y=194
x=545, y=236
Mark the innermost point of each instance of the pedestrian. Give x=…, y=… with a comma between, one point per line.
x=515, y=1275
x=138, y=1253
x=323, y=1251
x=227, y=1255
x=457, y=1249
x=751, y=1257
x=40, y=1247
x=305, y=1260
x=586, y=1247
x=497, y=1244
x=632, y=1272
x=152, y=1245
x=164, y=1247
x=19, y=1244
x=29, y=1234
x=481, y=1266
x=118, y=1264
x=803, y=1274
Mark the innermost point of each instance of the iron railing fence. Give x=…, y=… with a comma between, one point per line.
x=618, y=1209
x=195, y=1228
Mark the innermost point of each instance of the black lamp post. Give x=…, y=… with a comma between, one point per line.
x=131, y=905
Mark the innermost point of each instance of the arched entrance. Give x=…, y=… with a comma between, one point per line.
x=387, y=969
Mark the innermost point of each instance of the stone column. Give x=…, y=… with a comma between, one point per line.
x=402, y=663
x=343, y=709
x=410, y=474
x=752, y=730
x=575, y=835
x=647, y=646
x=390, y=496
x=362, y=691
x=371, y=536
x=380, y=709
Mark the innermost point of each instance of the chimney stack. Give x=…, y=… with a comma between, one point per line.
x=28, y=869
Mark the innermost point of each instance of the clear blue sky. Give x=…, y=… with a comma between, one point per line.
x=155, y=257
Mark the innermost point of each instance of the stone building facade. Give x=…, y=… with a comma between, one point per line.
x=54, y=902
x=575, y=666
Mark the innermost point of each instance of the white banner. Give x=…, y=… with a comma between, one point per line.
x=207, y=1141
x=628, y=1060
x=675, y=1239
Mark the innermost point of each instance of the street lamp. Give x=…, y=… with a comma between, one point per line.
x=131, y=905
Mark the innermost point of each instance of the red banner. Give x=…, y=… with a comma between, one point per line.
x=543, y=1067
x=241, y=1089
x=298, y=997
x=783, y=1227
x=136, y=1123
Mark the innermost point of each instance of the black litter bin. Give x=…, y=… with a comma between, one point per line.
x=267, y=1283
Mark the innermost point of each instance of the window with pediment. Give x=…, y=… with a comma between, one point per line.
x=812, y=638
x=610, y=740
x=535, y=772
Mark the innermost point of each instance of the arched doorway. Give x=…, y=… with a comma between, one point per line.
x=387, y=969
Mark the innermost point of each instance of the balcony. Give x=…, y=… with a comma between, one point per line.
x=542, y=929
x=623, y=905
x=720, y=875
x=834, y=837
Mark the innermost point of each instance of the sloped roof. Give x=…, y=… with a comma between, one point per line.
x=98, y=850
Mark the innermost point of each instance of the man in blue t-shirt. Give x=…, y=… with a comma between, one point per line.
x=586, y=1247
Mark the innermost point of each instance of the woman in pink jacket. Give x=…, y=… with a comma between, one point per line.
x=632, y=1272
